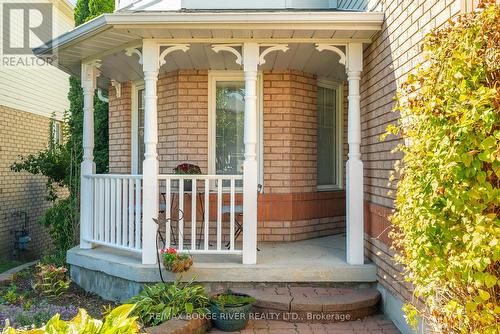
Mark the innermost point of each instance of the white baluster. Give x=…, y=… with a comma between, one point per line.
x=168, y=212
x=231, y=218
x=112, y=219
x=125, y=212
x=193, y=214
x=181, y=214
x=207, y=213
x=219, y=214
x=138, y=207
x=119, y=221
x=131, y=213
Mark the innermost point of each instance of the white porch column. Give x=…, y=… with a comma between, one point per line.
x=150, y=53
x=88, y=81
x=250, y=166
x=354, y=169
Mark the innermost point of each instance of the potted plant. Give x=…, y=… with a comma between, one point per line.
x=230, y=310
x=187, y=169
x=174, y=262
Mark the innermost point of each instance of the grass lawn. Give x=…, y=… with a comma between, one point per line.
x=8, y=264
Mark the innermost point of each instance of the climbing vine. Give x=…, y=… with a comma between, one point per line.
x=447, y=217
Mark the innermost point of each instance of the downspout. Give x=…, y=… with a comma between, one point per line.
x=102, y=97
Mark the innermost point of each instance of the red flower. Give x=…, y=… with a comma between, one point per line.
x=162, y=251
x=171, y=250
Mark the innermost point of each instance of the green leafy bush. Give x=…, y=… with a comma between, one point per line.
x=161, y=302
x=56, y=257
x=447, y=224
x=229, y=299
x=51, y=280
x=11, y=295
x=117, y=322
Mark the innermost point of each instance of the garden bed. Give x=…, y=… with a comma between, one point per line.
x=24, y=306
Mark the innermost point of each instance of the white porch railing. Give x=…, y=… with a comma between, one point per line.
x=197, y=230
x=201, y=218
x=116, y=211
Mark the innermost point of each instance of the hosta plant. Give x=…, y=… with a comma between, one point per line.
x=161, y=302
x=51, y=280
x=118, y=321
x=447, y=225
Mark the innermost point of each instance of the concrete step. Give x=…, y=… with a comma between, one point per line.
x=313, y=304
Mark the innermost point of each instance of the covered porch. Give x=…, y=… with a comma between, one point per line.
x=202, y=213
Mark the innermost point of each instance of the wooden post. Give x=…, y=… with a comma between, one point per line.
x=89, y=78
x=250, y=166
x=354, y=168
x=150, y=193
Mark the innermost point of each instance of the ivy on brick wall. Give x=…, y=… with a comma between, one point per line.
x=447, y=217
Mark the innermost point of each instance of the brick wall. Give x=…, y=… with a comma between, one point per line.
x=289, y=131
x=21, y=133
x=290, y=208
x=183, y=119
x=387, y=60
x=120, y=134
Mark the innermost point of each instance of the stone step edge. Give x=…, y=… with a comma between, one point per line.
x=352, y=306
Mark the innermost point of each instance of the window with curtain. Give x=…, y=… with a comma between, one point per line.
x=328, y=137
x=229, y=127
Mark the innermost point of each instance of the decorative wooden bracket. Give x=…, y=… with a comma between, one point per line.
x=171, y=48
x=333, y=48
x=118, y=88
x=130, y=51
x=229, y=48
x=239, y=58
x=271, y=48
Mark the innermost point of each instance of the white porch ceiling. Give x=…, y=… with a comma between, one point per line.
x=300, y=56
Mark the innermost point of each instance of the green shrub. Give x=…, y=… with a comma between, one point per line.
x=447, y=224
x=161, y=302
x=230, y=299
x=117, y=322
x=11, y=295
x=61, y=220
x=51, y=280
x=55, y=257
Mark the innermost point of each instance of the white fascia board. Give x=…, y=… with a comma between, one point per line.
x=357, y=19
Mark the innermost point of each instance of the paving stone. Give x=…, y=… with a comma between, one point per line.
x=274, y=302
x=302, y=303
x=366, y=326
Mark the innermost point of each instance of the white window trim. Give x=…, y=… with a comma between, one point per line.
x=136, y=87
x=213, y=77
x=339, y=134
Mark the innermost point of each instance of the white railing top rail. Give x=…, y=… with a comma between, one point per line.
x=199, y=177
x=114, y=176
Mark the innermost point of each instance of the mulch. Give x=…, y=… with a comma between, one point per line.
x=75, y=296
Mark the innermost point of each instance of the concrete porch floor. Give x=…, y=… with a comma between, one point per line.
x=314, y=260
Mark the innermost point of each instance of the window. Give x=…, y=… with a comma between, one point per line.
x=329, y=125
x=226, y=126
x=138, y=128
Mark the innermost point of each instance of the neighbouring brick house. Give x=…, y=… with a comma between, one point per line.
x=291, y=95
x=29, y=98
